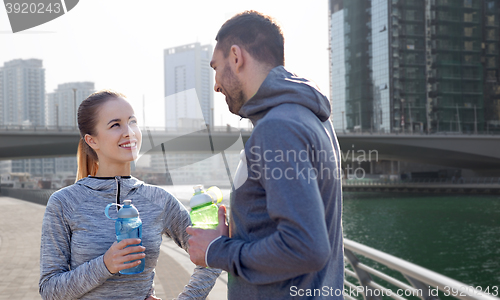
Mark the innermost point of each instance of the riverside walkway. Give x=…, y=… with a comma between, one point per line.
x=21, y=225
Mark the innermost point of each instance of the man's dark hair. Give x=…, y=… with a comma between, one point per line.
x=258, y=34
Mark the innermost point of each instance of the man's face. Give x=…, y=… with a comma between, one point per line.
x=226, y=81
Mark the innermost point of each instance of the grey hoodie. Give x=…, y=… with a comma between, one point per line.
x=286, y=219
x=76, y=234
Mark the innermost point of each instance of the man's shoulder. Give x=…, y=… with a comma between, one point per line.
x=286, y=115
x=288, y=111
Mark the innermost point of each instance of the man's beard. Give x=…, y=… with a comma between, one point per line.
x=233, y=90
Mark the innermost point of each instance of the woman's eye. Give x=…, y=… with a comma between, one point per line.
x=133, y=121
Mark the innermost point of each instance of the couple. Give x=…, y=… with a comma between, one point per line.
x=284, y=239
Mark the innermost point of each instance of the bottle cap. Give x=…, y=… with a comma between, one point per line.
x=128, y=210
x=198, y=189
x=199, y=197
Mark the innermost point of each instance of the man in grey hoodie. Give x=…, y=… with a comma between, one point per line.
x=285, y=234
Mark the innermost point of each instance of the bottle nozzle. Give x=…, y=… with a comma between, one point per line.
x=198, y=189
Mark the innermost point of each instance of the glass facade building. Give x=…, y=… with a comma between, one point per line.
x=417, y=65
x=337, y=67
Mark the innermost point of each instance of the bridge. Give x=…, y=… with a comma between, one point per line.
x=475, y=152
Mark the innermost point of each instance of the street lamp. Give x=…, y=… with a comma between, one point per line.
x=475, y=120
x=403, y=115
x=343, y=130
x=57, y=115
x=74, y=105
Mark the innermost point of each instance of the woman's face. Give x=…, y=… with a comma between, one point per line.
x=118, y=138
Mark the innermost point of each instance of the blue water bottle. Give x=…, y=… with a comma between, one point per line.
x=128, y=226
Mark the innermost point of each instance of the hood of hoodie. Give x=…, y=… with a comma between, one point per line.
x=282, y=86
x=119, y=186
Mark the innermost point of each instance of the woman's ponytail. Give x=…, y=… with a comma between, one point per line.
x=87, y=165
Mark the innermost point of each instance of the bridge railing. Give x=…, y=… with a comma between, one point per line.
x=420, y=181
x=406, y=133
x=340, y=132
x=143, y=128
x=421, y=282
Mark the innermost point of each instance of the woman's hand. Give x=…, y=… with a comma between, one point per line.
x=117, y=254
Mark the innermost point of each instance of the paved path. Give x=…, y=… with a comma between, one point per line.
x=21, y=224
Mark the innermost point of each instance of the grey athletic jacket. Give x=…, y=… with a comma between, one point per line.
x=76, y=234
x=286, y=219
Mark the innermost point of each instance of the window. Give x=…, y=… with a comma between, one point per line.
x=491, y=20
x=491, y=48
x=492, y=75
x=467, y=17
x=468, y=45
x=410, y=15
x=492, y=63
x=468, y=31
x=411, y=72
x=469, y=59
x=491, y=34
x=467, y=3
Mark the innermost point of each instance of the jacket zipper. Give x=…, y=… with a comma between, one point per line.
x=117, y=193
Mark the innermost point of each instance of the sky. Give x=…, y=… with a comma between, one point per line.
x=119, y=44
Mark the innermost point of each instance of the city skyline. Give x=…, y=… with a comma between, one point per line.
x=123, y=50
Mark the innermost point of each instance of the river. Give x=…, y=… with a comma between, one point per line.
x=455, y=235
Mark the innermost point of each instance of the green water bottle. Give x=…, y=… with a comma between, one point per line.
x=204, y=211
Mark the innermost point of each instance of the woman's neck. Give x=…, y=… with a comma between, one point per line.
x=114, y=170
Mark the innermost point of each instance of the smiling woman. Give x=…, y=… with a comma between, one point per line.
x=107, y=127
x=80, y=257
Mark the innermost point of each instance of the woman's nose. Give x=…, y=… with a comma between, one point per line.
x=129, y=131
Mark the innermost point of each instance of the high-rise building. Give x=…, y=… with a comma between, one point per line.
x=22, y=92
x=63, y=103
x=417, y=65
x=337, y=65
x=22, y=102
x=188, y=67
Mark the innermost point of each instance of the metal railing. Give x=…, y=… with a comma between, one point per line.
x=418, y=181
x=38, y=196
x=420, y=280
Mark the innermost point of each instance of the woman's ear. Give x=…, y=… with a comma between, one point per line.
x=91, y=142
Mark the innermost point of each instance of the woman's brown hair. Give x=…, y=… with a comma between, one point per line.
x=87, y=120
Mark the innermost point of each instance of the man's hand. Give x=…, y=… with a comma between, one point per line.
x=201, y=238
